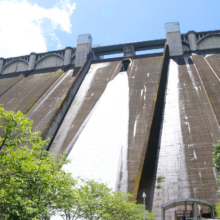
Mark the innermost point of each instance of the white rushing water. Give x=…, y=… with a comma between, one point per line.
x=100, y=152
x=75, y=106
x=102, y=143
x=172, y=180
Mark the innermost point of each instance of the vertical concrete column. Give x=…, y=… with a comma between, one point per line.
x=195, y=210
x=84, y=46
x=213, y=212
x=192, y=40
x=32, y=59
x=67, y=55
x=162, y=213
x=185, y=211
x=1, y=64
x=128, y=50
x=174, y=38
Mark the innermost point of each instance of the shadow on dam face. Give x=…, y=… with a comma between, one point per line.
x=147, y=181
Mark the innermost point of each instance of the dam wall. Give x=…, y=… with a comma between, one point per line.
x=140, y=123
x=190, y=129
x=143, y=78
x=44, y=95
x=26, y=92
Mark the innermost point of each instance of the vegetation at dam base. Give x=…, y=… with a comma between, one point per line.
x=33, y=185
x=216, y=161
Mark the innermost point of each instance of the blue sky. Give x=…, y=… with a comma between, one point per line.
x=58, y=22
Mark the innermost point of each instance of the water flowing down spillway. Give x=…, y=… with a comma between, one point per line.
x=108, y=123
x=101, y=148
x=100, y=152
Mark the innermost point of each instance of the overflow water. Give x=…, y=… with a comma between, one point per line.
x=102, y=145
x=100, y=152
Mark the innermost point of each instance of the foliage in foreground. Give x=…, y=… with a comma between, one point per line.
x=31, y=179
x=33, y=185
x=216, y=161
x=216, y=157
x=96, y=201
x=217, y=209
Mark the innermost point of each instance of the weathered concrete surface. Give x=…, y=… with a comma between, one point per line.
x=49, y=61
x=209, y=42
x=211, y=79
x=9, y=80
x=45, y=95
x=64, y=105
x=174, y=38
x=143, y=76
x=190, y=128
x=27, y=92
x=16, y=66
x=43, y=111
x=147, y=183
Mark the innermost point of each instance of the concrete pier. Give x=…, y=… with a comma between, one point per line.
x=129, y=50
x=32, y=60
x=67, y=56
x=84, y=46
x=174, y=38
x=192, y=40
x=1, y=64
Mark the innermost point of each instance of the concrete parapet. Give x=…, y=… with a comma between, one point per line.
x=192, y=40
x=67, y=55
x=174, y=38
x=1, y=64
x=32, y=59
x=209, y=41
x=84, y=45
x=128, y=50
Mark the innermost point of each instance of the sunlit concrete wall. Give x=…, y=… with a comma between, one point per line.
x=50, y=61
x=191, y=126
x=14, y=67
x=209, y=42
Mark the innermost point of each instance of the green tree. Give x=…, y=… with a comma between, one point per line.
x=216, y=161
x=95, y=201
x=216, y=157
x=217, y=209
x=32, y=183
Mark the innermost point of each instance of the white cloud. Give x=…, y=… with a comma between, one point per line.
x=24, y=27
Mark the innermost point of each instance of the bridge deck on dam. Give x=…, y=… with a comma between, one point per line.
x=189, y=131
x=143, y=79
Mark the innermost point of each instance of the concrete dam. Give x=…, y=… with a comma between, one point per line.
x=140, y=123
